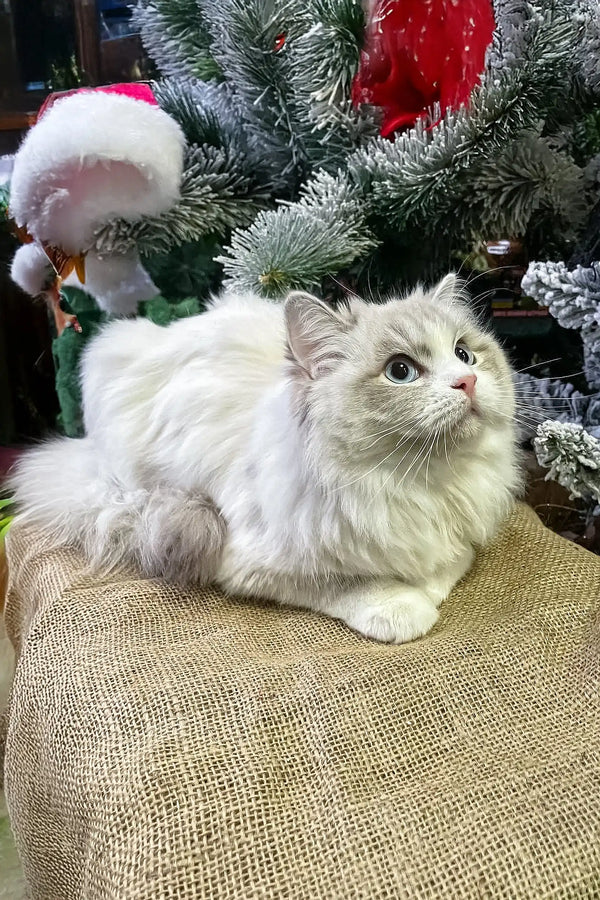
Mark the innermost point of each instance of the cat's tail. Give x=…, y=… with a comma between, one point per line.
x=163, y=532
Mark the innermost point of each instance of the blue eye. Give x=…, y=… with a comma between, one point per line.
x=401, y=370
x=464, y=354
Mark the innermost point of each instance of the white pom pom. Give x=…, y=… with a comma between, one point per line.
x=91, y=158
x=31, y=269
x=117, y=282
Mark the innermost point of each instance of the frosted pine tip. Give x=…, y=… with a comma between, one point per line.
x=273, y=278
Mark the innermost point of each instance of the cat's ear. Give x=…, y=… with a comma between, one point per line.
x=313, y=331
x=449, y=289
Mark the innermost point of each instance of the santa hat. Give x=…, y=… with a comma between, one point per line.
x=94, y=156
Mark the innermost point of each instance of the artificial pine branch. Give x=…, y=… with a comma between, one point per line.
x=298, y=244
x=244, y=35
x=572, y=457
x=587, y=16
x=573, y=298
x=324, y=61
x=424, y=174
x=208, y=115
x=175, y=37
x=215, y=196
x=424, y=177
x=288, y=70
x=552, y=398
x=202, y=110
x=527, y=181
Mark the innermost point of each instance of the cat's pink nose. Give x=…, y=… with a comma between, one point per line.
x=467, y=384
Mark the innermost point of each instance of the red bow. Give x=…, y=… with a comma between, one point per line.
x=421, y=52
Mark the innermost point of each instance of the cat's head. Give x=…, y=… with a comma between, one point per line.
x=402, y=373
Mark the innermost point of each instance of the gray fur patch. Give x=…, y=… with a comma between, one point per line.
x=180, y=537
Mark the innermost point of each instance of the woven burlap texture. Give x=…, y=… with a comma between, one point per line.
x=169, y=744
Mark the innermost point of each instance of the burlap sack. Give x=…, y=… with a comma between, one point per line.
x=175, y=745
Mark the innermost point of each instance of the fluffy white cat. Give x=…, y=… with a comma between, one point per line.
x=348, y=461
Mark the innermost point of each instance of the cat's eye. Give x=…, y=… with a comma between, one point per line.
x=464, y=354
x=401, y=370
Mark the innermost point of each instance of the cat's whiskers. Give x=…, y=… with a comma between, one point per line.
x=485, y=294
x=369, y=471
x=555, y=377
x=527, y=409
x=525, y=415
x=485, y=272
x=525, y=398
x=527, y=423
x=531, y=412
x=446, y=453
x=537, y=365
x=394, y=470
x=521, y=420
x=527, y=426
x=437, y=433
x=454, y=446
x=542, y=414
x=528, y=403
x=379, y=436
x=423, y=454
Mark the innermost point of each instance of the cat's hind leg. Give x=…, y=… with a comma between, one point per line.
x=161, y=531
x=178, y=536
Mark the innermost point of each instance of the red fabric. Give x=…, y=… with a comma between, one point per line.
x=419, y=52
x=137, y=90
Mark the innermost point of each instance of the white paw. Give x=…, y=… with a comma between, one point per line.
x=437, y=593
x=402, y=616
x=440, y=587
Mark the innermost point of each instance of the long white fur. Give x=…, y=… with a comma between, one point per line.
x=269, y=413
x=91, y=158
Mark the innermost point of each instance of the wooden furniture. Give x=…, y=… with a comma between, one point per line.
x=105, y=60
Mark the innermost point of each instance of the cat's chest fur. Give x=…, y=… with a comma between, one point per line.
x=285, y=523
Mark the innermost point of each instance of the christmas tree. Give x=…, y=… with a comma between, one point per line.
x=330, y=145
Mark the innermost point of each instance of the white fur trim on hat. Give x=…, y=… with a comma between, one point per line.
x=91, y=158
x=31, y=269
x=117, y=282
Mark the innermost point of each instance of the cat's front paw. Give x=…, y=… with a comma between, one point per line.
x=397, y=617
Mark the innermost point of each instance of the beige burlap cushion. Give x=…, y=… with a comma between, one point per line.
x=164, y=744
